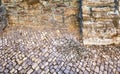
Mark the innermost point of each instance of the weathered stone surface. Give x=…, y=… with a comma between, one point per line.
x=55, y=50
x=99, y=3
x=100, y=23
x=3, y=18
x=59, y=60
x=30, y=71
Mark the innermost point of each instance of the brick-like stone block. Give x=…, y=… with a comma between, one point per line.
x=100, y=22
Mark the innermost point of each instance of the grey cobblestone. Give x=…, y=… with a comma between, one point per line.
x=55, y=59
x=34, y=65
x=118, y=69
x=97, y=69
x=30, y=71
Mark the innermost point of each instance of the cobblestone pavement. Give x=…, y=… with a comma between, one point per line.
x=29, y=51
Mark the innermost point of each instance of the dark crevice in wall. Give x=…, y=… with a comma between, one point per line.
x=116, y=5
x=3, y=19
x=81, y=17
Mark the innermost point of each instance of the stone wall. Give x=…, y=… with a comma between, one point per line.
x=52, y=12
x=101, y=24
x=48, y=14
x=3, y=20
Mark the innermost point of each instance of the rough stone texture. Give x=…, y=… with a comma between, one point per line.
x=101, y=24
x=29, y=50
x=28, y=47
x=3, y=18
x=55, y=13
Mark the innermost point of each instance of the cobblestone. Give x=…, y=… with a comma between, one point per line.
x=57, y=59
x=97, y=69
x=19, y=68
x=34, y=65
x=30, y=71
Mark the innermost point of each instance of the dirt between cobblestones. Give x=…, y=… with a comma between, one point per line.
x=27, y=50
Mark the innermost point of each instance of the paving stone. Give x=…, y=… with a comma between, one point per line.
x=6, y=71
x=81, y=72
x=63, y=68
x=83, y=69
x=34, y=65
x=46, y=69
x=100, y=72
x=70, y=64
x=10, y=67
x=52, y=70
x=118, y=69
x=24, y=58
x=1, y=67
x=71, y=72
x=42, y=67
x=15, y=71
x=88, y=69
x=57, y=70
x=105, y=72
x=14, y=63
x=39, y=71
x=109, y=69
x=30, y=71
x=46, y=55
x=91, y=72
x=38, y=61
x=102, y=68
x=68, y=67
x=52, y=62
x=97, y=69
x=12, y=70
x=56, y=66
x=106, y=67
x=34, y=72
x=86, y=72
x=54, y=73
x=4, y=64
x=25, y=66
x=46, y=64
x=19, y=61
x=43, y=72
x=73, y=69
x=111, y=66
x=29, y=62
x=17, y=66
x=23, y=71
x=62, y=63
x=20, y=67
x=60, y=72
x=37, y=68
x=114, y=70
x=66, y=71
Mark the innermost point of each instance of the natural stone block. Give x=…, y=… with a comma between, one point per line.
x=105, y=15
x=86, y=17
x=98, y=24
x=103, y=9
x=85, y=9
x=98, y=3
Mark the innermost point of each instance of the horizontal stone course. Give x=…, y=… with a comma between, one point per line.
x=99, y=17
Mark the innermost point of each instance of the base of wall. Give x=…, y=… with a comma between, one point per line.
x=98, y=41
